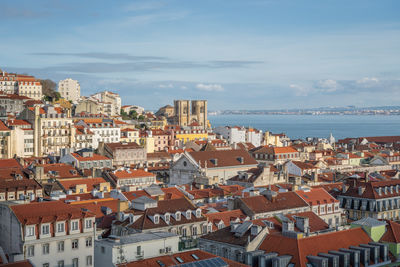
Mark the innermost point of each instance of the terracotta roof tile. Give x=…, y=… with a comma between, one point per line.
x=323, y=243
x=224, y=158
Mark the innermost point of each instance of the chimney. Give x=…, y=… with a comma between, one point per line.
x=366, y=176
x=122, y=206
x=241, y=160
x=303, y=223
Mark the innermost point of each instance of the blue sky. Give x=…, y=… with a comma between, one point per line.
x=247, y=54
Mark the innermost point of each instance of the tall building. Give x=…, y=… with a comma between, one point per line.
x=53, y=129
x=69, y=89
x=188, y=112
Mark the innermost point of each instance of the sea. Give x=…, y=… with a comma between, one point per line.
x=302, y=126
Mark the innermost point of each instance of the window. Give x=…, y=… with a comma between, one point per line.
x=60, y=246
x=103, y=250
x=60, y=264
x=183, y=232
x=188, y=213
x=89, y=261
x=139, y=250
x=75, y=262
x=178, y=216
x=75, y=243
x=74, y=225
x=31, y=251
x=60, y=227
x=46, y=248
x=156, y=219
x=30, y=230
x=46, y=265
x=198, y=213
x=89, y=224
x=194, y=230
x=45, y=229
x=89, y=242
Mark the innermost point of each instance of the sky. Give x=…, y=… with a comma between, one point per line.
x=247, y=54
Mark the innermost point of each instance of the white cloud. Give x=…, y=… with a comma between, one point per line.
x=299, y=90
x=327, y=85
x=368, y=81
x=210, y=87
x=170, y=85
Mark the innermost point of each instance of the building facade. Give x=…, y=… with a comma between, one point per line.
x=69, y=89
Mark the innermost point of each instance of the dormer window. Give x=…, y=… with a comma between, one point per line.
x=198, y=213
x=74, y=225
x=167, y=217
x=60, y=227
x=177, y=216
x=188, y=214
x=156, y=219
x=45, y=229
x=30, y=230
x=88, y=224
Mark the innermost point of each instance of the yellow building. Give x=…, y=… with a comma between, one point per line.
x=158, y=123
x=130, y=135
x=181, y=137
x=147, y=141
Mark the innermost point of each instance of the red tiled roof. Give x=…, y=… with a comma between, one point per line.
x=225, y=216
x=225, y=158
x=316, y=196
x=3, y=127
x=94, y=157
x=94, y=205
x=47, y=211
x=115, y=146
x=170, y=260
x=392, y=234
x=323, y=243
x=24, y=263
x=14, y=122
x=63, y=170
x=124, y=174
x=91, y=183
x=283, y=201
x=9, y=163
x=15, y=185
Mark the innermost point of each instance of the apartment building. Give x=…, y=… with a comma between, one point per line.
x=376, y=199
x=12, y=103
x=123, y=154
x=105, y=130
x=53, y=129
x=210, y=167
x=22, y=135
x=69, y=89
x=112, y=99
x=238, y=134
x=135, y=247
x=47, y=233
x=5, y=141
x=23, y=85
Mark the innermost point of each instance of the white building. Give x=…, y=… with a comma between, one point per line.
x=232, y=134
x=69, y=89
x=240, y=135
x=116, y=250
x=47, y=233
x=110, y=100
x=105, y=131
